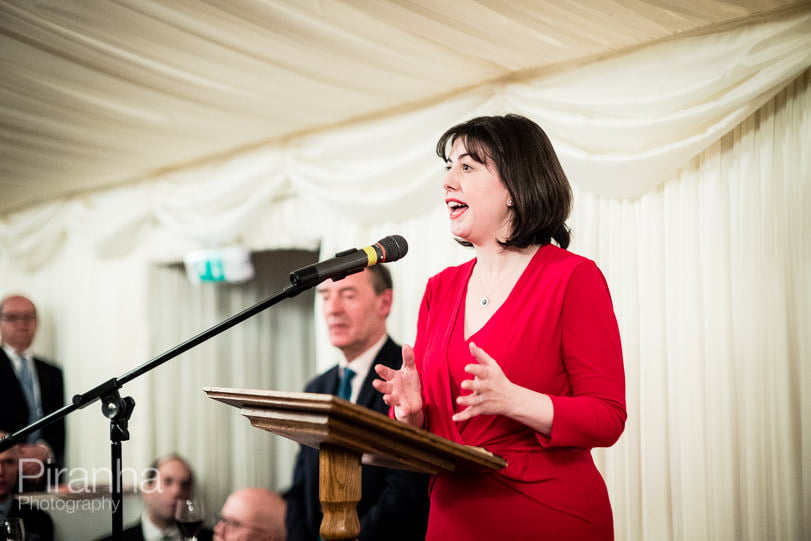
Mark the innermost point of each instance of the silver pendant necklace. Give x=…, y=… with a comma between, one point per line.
x=513, y=276
x=485, y=300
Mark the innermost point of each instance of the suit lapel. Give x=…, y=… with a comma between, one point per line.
x=369, y=396
x=10, y=384
x=330, y=381
x=367, y=393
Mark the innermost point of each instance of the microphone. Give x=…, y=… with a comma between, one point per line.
x=348, y=262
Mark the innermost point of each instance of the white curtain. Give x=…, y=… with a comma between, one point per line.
x=622, y=127
x=272, y=350
x=708, y=265
x=710, y=279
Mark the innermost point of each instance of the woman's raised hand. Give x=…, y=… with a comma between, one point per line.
x=402, y=389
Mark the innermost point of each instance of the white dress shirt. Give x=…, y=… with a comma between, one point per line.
x=361, y=366
x=153, y=533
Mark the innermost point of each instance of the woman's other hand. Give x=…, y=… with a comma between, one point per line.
x=491, y=393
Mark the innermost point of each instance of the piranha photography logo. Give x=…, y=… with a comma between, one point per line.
x=72, y=490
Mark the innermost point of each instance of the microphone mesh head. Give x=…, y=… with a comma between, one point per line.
x=394, y=247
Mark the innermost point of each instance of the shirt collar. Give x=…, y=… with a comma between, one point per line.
x=153, y=533
x=12, y=353
x=18, y=358
x=361, y=365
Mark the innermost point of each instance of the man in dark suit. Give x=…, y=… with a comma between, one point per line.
x=394, y=503
x=30, y=388
x=38, y=524
x=169, y=481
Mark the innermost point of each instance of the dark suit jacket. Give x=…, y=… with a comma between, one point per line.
x=38, y=524
x=14, y=409
x=134, y=533
x=394, y=503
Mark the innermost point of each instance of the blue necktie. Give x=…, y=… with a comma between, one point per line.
x=27, y=384
x=345, y=388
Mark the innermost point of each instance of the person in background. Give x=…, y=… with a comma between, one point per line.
x=517, y=350
x=38, y=524
x=394, y=503
x=30, y=388
x=251, y=514
x=169, y=481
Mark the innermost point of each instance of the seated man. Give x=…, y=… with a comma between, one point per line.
x=394, y=503
x=38, y=524
x=251, y=514
x=171, y=482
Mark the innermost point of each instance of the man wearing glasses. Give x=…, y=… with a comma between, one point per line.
x=251, y=514
x=30, y=388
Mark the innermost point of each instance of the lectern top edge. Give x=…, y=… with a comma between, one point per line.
x=340, y=414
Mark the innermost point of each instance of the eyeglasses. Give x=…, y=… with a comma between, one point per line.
x=228, y=523
x=14, y=318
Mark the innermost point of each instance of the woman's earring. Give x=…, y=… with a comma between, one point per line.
x=509, y=202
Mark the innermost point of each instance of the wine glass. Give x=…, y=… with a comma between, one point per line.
x=13, y=529
x=189, y=517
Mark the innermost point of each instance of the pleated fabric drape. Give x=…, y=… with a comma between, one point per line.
x=693, y=202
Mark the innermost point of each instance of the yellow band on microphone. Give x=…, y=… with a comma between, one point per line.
x=371, y=254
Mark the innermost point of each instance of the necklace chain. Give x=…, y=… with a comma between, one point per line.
x=485, y=300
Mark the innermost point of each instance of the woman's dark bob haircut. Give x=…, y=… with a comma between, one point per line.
x=527, y=163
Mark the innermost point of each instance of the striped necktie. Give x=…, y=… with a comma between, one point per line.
x=34, y=408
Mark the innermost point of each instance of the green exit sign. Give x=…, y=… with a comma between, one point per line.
x=232, y=264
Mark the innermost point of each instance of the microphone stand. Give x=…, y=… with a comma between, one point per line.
x=118, y=409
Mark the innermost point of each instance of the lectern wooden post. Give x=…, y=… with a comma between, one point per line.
x=347, y=435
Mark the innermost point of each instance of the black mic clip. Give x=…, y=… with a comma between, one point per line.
x=340, y=275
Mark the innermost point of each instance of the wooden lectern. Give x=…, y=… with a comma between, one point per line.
x=347, y=435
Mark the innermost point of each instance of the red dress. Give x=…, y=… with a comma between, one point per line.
x=556, y=334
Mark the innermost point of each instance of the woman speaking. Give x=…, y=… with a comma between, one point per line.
x=517, y=350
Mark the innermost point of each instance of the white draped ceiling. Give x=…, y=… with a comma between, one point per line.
x=99, y=92
x=692, y=179
x=621, y=126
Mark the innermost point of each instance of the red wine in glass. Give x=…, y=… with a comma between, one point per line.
x=189, y=529
x=189, y=517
